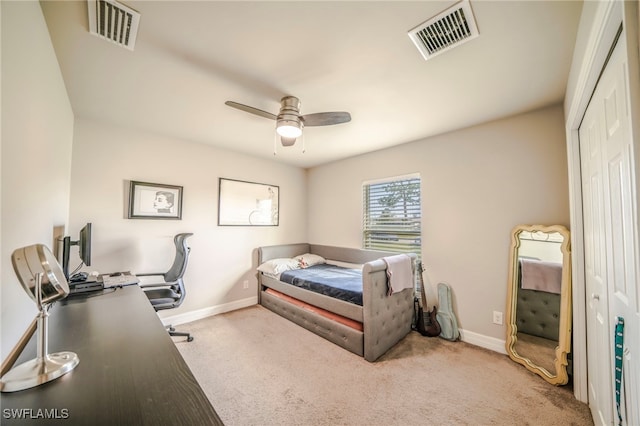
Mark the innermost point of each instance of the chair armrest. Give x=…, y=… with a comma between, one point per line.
x=165, y=284
x=153, y=285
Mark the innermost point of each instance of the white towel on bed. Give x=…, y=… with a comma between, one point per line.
x=400, y=273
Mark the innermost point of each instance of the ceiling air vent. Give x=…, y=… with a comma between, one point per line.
x=449, y=29
x=114, y=22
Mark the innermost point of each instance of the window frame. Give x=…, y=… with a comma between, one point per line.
x=391, y=234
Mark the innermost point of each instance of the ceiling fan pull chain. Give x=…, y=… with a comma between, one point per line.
x=275, y=143
x=304, y=148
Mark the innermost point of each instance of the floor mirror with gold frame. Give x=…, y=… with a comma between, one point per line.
x=539, y=300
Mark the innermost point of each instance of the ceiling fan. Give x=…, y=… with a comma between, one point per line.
x=289, y=122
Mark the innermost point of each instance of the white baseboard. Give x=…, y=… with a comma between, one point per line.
x=208, y=312
x=483, y=341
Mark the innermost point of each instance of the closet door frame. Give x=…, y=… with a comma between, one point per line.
x=607, y=20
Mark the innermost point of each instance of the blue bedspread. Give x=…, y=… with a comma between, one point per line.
x=330, y=280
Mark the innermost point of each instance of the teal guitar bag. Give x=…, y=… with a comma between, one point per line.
x=445, y=316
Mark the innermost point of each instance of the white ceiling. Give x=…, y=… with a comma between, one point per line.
x=191, y=57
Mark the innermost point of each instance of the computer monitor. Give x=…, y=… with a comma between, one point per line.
x=85, y=244
x=84, y=249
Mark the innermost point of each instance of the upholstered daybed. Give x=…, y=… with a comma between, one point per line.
x=368, y=329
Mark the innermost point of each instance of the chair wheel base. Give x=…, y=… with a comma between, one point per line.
x=174, y=333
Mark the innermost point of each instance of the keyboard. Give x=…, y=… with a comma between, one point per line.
x=85, y=287
x=121, y=279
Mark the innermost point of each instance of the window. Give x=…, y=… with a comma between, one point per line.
x=393, y=215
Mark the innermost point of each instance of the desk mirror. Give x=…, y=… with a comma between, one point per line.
x=539, y=300
x=42, y=278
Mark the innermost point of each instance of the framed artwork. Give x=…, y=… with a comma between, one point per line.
x=154, y=201
x=243, y=203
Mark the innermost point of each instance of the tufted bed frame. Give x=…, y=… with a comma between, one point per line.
x=538, y=313
x=385, y=319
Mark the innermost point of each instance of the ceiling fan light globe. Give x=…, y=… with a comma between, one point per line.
x=289, y=130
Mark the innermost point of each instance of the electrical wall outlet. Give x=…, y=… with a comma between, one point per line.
x=245, y=284
x=497, y=317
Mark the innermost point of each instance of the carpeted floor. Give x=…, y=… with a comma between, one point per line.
x=260, y=369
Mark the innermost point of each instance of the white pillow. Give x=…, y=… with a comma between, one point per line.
x=309, y=259
x=277, y=266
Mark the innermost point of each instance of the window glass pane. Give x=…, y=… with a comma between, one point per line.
x=392, y=216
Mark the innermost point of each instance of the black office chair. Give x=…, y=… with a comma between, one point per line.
x=170, y=293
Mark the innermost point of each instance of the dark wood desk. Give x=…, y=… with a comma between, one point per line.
x=130, y=371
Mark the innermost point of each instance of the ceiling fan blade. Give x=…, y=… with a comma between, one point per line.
x=287, y=141
x=251, y=110
x=326, y=118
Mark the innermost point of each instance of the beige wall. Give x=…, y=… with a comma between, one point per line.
x=37, y=132
x=477, y=184
x=106, y=157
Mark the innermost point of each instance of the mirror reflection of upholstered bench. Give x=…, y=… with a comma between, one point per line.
x=368, y=329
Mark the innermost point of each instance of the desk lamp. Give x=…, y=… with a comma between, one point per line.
x=42, y=278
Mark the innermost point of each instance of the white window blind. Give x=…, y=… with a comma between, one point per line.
x=393, y=215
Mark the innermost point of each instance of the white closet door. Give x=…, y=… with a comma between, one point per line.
x=622, y=233
x=611, y=241
x=598, y=359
